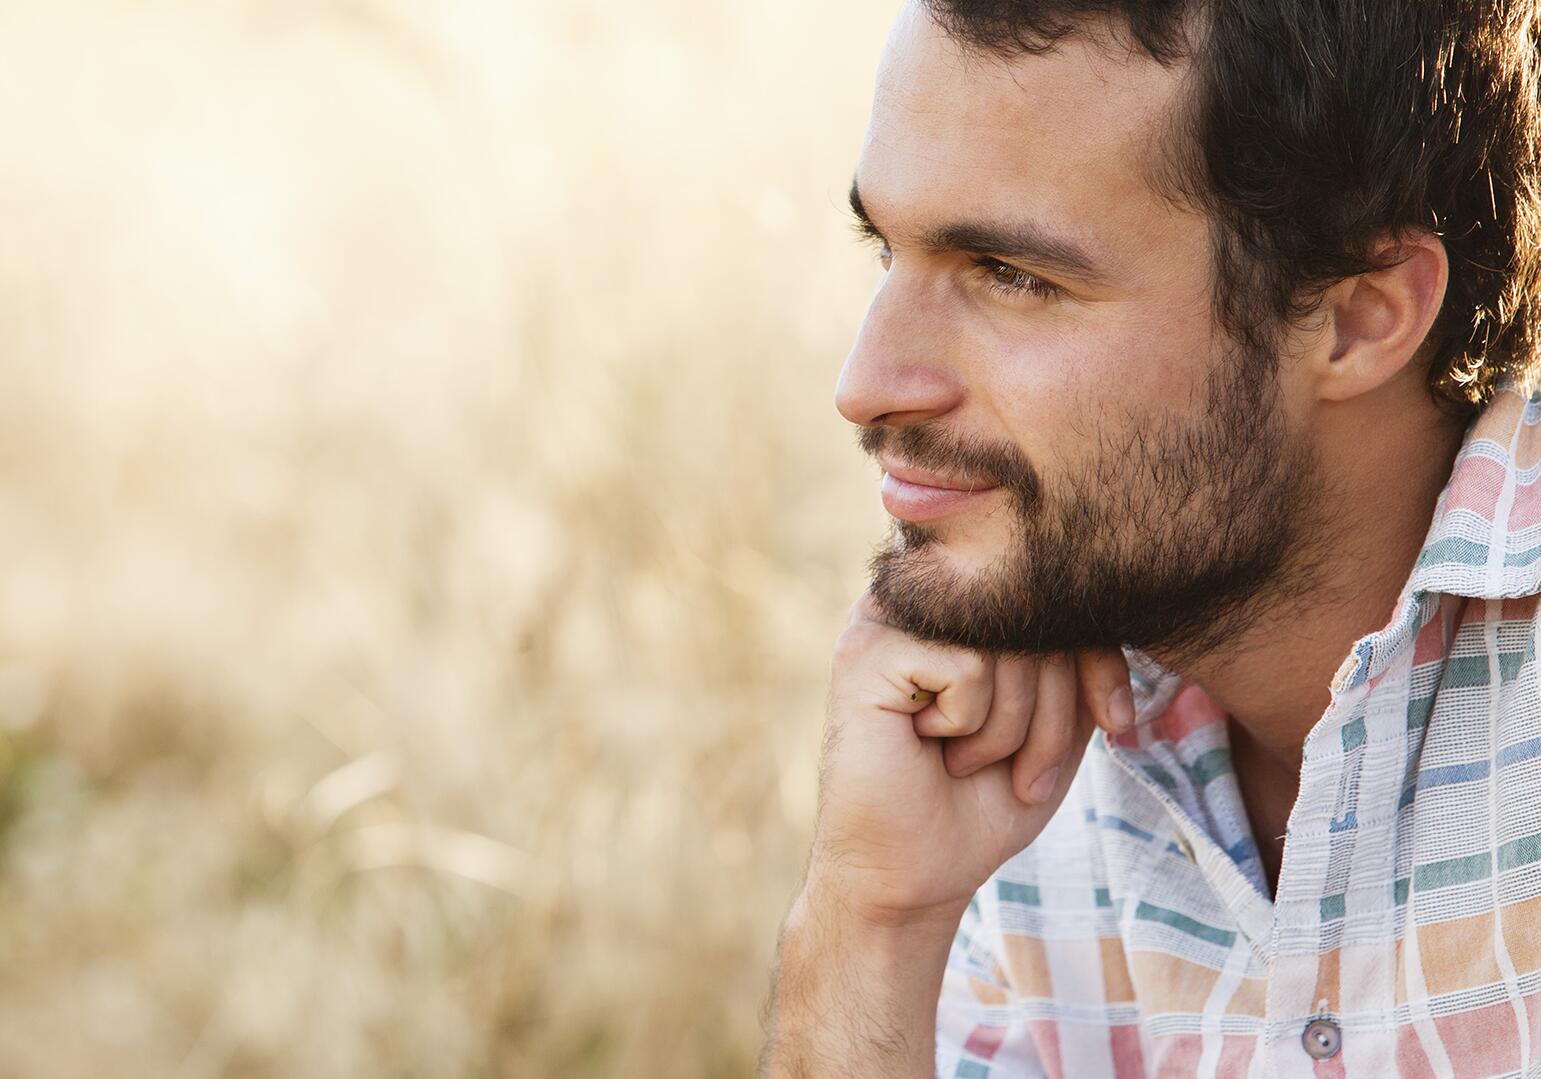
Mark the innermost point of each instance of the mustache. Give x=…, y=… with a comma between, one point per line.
x=929, y=446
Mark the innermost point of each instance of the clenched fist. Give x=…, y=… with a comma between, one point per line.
x=939, y=763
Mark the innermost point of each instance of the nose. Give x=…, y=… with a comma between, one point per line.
x=897, y=372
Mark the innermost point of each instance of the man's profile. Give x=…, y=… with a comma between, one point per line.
x=1190, y=724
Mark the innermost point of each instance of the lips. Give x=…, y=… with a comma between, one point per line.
x=921, y=478
x=915, y=495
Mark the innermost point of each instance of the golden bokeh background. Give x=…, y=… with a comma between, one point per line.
x=424, y=526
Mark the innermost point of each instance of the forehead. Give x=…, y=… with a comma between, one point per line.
x=1071, y=136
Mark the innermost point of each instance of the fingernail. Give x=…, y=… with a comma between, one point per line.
x=1043, y=786
x=1121, y=708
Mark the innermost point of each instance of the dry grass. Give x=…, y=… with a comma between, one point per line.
x=424, y=525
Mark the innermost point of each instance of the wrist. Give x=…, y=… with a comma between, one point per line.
x=826, y=895
x=858, y=947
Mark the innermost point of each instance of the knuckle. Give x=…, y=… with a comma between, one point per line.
x=854, y=641
x=844, y=651
x=1016, y=699
x=972, y=666
x=865, y=608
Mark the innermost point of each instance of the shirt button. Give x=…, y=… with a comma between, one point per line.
x=1322, y=1039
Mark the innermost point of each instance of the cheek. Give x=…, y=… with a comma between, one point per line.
x=1058, y=388
x=1043, y=358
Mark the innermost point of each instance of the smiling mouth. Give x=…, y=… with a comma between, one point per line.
x=919, y=502
x=919, y=477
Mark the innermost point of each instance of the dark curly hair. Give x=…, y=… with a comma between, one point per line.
x=1317, y=125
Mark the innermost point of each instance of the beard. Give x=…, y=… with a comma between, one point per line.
x=1171, y=541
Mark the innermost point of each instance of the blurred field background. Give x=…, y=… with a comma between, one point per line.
x=423, y=526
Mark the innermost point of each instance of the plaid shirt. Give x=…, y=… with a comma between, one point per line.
x=1136, y=937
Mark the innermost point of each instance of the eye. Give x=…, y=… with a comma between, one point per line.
x=869, y=236
x=1008, y=280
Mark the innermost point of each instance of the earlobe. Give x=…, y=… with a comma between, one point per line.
x=1380, y=319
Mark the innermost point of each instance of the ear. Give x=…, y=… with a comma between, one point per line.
x=1379, y=320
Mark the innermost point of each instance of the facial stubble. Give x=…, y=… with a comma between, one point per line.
x=1179, y=533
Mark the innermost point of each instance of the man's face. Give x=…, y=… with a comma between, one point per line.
x=1045, y=336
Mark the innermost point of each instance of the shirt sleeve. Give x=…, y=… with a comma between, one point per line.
x=979, y=1035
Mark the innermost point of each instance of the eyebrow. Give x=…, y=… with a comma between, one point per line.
x=1025, y=243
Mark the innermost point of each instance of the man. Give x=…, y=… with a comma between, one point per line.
x=1205, y=341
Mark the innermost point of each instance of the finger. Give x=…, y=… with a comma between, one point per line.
x=1005, y=728
x=1035, y=770
x=1104, y=677
x=964, y=685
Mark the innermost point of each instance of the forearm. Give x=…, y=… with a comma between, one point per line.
x=853, y=998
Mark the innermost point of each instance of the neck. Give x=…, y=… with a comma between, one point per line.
x=1273, y=677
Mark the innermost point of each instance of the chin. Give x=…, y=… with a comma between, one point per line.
x=974, y=561
x=963, y=554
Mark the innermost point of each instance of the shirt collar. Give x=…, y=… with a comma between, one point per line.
x=1485, y=538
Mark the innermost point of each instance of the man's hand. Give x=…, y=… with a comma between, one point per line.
x=921, y=800
x=939, y=764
